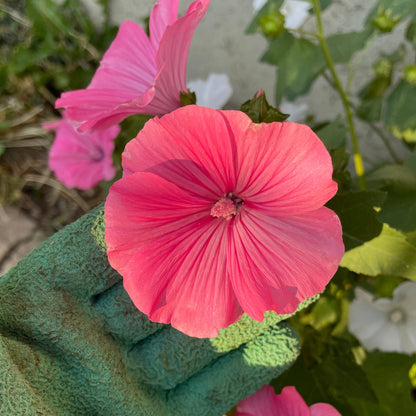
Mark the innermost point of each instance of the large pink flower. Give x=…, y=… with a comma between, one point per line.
x=81, y=160
x=288, y=403
x=139, y=74
x=216, y=216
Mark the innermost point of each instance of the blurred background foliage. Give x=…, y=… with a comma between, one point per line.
x=46, y=48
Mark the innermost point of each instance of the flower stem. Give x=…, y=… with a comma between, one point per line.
x=373, y=126
x=358, y=161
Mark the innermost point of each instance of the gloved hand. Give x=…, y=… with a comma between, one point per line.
x=72, y=343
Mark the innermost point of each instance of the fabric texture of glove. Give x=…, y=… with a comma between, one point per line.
x=72, y=342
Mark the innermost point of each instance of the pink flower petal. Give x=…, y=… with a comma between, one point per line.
x=189, y=288
x=261, y=403
x=119, y=86
x=164, y=13
x=278, y=262
x=81, y=160
x=324, y=409
x=296, y=179
x=290, y=403
x=138, y=75
x=182, y=155
x=172, y=58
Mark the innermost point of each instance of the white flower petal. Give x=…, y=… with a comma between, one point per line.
x=386, y=338
x=214, y=92
x=407, y=335
x=258, y=4
x=404, y=297
x=295, y=12
x=365, y=320
x=297, y=112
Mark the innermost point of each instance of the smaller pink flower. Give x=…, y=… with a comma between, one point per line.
x=138, y=74
x=289, y=402
x=81, y=160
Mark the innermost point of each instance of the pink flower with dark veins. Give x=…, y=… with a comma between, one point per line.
x=217, y=216
x=81, y=160
x=138, y=74
x=289, y=402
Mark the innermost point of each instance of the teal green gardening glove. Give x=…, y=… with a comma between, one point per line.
x=72, y=343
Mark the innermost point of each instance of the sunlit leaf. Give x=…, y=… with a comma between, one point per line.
x=388, y=254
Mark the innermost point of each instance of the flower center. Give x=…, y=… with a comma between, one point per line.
x=396, y=316
x=227, y=206
x=97, y=154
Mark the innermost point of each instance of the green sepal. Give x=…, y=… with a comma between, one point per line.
x=260, y=111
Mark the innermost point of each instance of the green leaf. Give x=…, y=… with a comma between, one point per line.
x=326, y=371
x=299, y=62
x=341, y=175
x=2, y=149
x=388, y=374
x=25, y=58
x=399, y=209
x=324, y=4
x=388, y=254
x=343, y=46
x=46, y=17
x=333, y=134
x=400, y=116
x=411, y=32
x=372, y=98
x=358, y=216
x=399, y=178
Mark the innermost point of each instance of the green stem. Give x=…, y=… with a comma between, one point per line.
x=358, y=161
x=375, y=128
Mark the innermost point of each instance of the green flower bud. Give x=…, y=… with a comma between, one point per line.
x=383, y=68
x=384, y=21
x=410, y=74
x=272, y=24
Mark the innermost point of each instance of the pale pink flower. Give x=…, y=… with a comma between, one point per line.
x=216, y=216
x=288, y=403
x=81, y=160
x=138, y=74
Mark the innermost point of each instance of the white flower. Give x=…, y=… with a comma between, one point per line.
x=297, y=112
x=385, y=324
x=295, y=11
x=214, y=92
